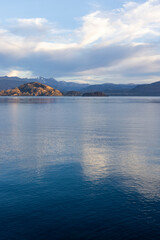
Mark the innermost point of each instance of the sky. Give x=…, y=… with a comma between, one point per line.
x=87, y=41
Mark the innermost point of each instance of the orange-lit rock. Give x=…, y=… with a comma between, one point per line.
x=31, y=89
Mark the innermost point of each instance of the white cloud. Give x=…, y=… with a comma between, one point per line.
x=133, y=22
x=94, y=27
x=39, y=22
x=121, y=43
x=19, y=73
x=47, y=46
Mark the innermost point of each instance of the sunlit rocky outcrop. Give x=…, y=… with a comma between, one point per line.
x=31, y=89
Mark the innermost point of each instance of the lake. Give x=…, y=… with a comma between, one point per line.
x=79, y=168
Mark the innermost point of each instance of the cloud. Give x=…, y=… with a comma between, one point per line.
x=19, y=73
x=117, y=44
x=31, y=28
x=95, y=27
x=38, y=22
x=71, y=60
x=133, y=22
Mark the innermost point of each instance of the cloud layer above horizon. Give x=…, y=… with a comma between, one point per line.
x=120, y=45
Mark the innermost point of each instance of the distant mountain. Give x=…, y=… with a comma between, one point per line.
x=63, y=86
x=31, y=89
x=73, y=93
x=110, y=88
x=77, y=89
x=152, y=89
x=94, y=94
x=107, y=88
x=12, y=82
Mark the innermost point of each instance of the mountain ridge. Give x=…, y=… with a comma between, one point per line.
x=152, y=89
x=75, y=89
x=12, y=82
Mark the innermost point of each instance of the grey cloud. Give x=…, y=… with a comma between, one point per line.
x=60, y=63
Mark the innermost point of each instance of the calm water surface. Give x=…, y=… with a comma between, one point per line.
x=79, y=168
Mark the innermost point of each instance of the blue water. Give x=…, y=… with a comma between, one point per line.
x=79, y=168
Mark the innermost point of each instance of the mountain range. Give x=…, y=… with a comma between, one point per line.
x=152, y=89
x=75, y=89
x=12, y=82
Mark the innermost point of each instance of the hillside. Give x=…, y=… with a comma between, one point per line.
x=152, y=89
x=65, y=87
x=94, y=94
x=13, y=82
x=31, y=89
x=77, y=89
x=110, y=88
